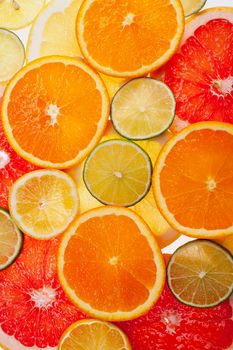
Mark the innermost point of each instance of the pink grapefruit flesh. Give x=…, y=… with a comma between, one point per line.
x=201, y=73
x=34, y=311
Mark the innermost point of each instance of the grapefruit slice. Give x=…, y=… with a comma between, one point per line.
x=119, y=273
x=12, y=166
x=15, y=14
x=193, y=180
x=200, y=74
x=43, y=203
x=64, y=111
x=172, y=325
x=11, y=240
x=34, y=311
x=136, y=37
x=93, y=335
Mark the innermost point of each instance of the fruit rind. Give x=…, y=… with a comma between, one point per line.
x=20, y=240
x=196, y=233
x=145, y=230
x=102, y=122
x=89, y=321
x=144, y=69
x=196, y=10
x=119, y=141
x=166, y=127
x=41, y=173
x=171, y=261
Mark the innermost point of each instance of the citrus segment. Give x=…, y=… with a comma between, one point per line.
x=34, y=310
x=172, y=325
x=12, y=54
x=43, y=203
x=119, y=273
x=142, y=109
x=200, y=273
x=192, y=6
x=193, y=180
x=118, y=172
x=136, y=36
x=93, y=335
x=15, y=14
x=200, y=74
x=11, y=240
x=64, y=113
x=53, y=32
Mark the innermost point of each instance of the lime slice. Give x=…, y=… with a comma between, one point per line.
x=118, y=172
x=200, y=273
x=192, y=6
x=143, y=108
x=12, y=54
x=11, y=240
x=15, y=14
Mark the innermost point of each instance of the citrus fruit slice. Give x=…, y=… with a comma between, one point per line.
x=119, y=273
x=93, y=335
x=193, y=180
x=192, y=6
x=15, y=14
x=200, y=74
x=118, y=172
x=12, y=166
x=137, y=37
x=227, y=243
x=172, y=325
x=43, y=203
x=12, y=54
x=64, y=113
x=200, y=273
x=143, y=108
x=34, y=310
x=11, y=240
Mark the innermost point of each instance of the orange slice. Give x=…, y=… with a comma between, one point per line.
x=61, y=105
x=93, y=335
x=193, y=180
x=119, y=273
x=134, y=37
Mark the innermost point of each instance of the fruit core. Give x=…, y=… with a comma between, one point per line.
x=128, y=20
x=118, y=174
x=113, y=260
x=4, y=159
x=44, y=297
x=222, y=87
x=202, y=274
x=171, y=320
x=211, y=184
x=53, y=112
x=14, y=3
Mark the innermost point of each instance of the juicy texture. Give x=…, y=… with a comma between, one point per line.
x=201, y=74
x=134, y=36
x=171, y=325
x=33, y=307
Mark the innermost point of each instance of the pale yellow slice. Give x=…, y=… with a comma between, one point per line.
x=192, y=6
x=15, y=14
x=93, y=335
x=12, y=54
x=43, y=203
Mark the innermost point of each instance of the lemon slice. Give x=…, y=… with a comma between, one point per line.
x=93, y=335
x=143, y=108
x=12, y=54
x=118, y=172
x=192, y=6
x=43, y=203
x=15, y=14
x=11, y=240
x=200, y=273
